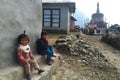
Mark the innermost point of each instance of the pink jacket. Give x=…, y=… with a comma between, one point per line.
x=24, y=53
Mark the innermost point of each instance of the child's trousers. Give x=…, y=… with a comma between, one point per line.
x=48, y=52
x=31, y=64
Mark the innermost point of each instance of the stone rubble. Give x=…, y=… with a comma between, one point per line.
x=73, y=45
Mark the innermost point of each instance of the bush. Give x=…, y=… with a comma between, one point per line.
x=117, y=35
x=112, y=40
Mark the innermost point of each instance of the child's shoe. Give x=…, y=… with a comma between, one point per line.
x=40, y=71
x=49, y=63
x=54, y=55
x=28, y=76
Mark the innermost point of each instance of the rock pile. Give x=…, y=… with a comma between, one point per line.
x=73, y=45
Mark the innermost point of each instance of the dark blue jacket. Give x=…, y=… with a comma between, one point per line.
x=41, y=45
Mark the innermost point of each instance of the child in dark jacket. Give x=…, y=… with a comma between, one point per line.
x=25, y=56
x=44, y=48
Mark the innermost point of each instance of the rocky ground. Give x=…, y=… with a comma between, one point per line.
x=86, y=58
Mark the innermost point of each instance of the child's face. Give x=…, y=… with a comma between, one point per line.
x=24, y=41
x=45, y=36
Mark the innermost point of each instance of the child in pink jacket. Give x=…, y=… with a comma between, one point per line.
x=25, y=56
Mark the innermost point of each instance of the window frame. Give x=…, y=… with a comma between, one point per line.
x=52, y=17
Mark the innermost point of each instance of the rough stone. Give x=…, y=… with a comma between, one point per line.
x=78, y=47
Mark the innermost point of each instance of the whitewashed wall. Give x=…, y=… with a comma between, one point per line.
x=15, y=17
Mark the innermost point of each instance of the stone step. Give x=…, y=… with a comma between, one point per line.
x=12, y=73
x=17, y=72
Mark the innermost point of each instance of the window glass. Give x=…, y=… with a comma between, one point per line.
x=46, y=16
x=46, y=11
x=46, y=24
x=51, y=17
x=55, y=25
x=55, y=11
x=55, y=20
x=46, y=20
x=55, y=16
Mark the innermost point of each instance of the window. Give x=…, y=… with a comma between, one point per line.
x=51, y=17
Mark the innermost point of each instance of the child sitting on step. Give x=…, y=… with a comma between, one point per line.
x=44, y=48
x=25, y=56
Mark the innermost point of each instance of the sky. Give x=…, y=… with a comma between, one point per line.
x=110, y=9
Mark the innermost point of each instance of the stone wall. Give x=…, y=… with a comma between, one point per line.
x=15, y=17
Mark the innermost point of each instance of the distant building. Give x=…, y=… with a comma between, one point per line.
x=57, y=16
x=98, y=20
x=115, y=28
x=72, y=23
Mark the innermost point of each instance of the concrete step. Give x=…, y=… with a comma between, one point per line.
x=12, y=73
x=17, y=72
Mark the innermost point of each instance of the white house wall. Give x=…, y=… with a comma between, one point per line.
x=15, y=17
x=65, y=18
x=56, y=0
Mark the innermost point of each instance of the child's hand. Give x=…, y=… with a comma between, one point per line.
x=25, y=62
x=32, y=57
x=48, y=42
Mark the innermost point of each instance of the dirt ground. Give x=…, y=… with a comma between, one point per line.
x=74, y=69
x=112, y=54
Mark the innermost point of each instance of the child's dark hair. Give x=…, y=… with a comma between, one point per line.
x=21, y=36
x=44, y=33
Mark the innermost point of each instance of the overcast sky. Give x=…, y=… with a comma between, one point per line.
x=110, y=9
